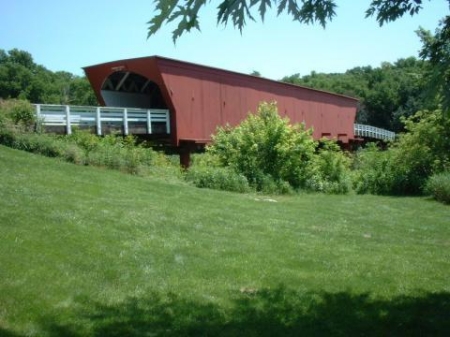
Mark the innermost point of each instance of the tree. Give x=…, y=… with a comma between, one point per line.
x=21, y=78
x=436, y=49
x=238, y=11
x=386, y=93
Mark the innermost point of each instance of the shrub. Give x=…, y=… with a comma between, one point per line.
x=10, y=126
x=267, y=185
x=84, y=139
x=74, y=154
x=373, y=171
x=265, y=145
x=47, y=145
x=438, y=186
x=405, y=167
x=329, y=170
x=19, y=112
x=219, y=178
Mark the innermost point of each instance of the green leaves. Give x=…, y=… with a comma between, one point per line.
x=387, y=11
x=436, y=49
x=265, y=145
x=170, y=10
x=21, y=78
x=237, y=11
x=407, y=164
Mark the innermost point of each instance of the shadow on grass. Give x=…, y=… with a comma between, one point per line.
x=276, y=312
x=6, y=333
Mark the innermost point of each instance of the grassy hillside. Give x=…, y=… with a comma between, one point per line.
x=92, y=252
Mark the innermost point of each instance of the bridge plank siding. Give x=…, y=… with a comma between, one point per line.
x=201, y=98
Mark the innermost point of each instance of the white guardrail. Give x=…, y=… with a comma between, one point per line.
x=362, y=130
x=68, y=116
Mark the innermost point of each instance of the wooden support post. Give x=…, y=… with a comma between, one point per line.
x=185, y=156
x=68, y=126
x=125, y=122
x=98, y=121
x=186, y=147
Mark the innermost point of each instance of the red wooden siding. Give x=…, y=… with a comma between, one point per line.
x=201, y=98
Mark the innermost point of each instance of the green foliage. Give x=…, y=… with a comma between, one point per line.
x=22, y=112
x=438, y=186
x=436, y=49
x=112, y=151
x=218, y=178
x=277, y=158
x=238, y=11
x=86, y=140
x=387, y=11
x=426, y=143
x=309, y=11
x=21, y=78
x=329, y=170
x=82, y=147
x=19, y=112
x=16, y=117
x=386, y=93
x=373, y=171
x=407, y=164
x=265, y=145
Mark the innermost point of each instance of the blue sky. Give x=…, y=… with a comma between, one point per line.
x=68, y=35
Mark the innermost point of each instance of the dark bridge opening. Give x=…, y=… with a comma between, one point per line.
x=127, y=89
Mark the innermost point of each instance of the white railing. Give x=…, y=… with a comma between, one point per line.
x=68, y=116
x=362, y=130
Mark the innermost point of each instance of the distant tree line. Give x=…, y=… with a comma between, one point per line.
x=386, y=93
x=22, y=78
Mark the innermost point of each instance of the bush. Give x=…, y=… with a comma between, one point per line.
x=405, y=167
x=438, y=186
x=219, y=178
x=47, y=145
x=267, y=185
x=19, y=112
x=265, y=145
x=373, y=171
x=83, y=138
x=74, y=154
x=329, y=170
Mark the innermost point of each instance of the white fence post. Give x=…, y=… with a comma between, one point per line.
x=125, y=121
x=168, y=122
x=38, y=118
x=149, y=122
x=38, y=111
x=68, y=126
x=98, y=121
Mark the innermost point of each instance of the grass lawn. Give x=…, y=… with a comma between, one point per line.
x=92, y=252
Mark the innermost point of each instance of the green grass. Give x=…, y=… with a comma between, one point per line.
x=94, y=252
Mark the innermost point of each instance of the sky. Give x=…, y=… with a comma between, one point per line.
x=70, y=35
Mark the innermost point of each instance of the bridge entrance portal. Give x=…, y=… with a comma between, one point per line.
x=128, y=89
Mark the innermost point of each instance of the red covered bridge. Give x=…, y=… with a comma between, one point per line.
x=200, y=98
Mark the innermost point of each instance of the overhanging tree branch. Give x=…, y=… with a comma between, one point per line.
x=186, y=12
